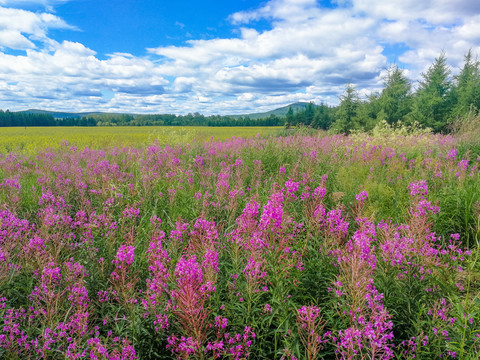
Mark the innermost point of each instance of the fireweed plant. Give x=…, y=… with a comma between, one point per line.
x=295, y=247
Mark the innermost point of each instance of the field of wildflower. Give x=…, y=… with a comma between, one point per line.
x=293, y=247
x=30, y=140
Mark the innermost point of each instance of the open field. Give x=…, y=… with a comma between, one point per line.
x=297, y=247
x=30, y=140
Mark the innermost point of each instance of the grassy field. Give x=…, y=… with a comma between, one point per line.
x=30, y=140
x=280, y=247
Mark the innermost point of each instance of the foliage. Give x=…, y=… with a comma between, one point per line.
x=8, y=118
x=346, y=114
x=467, y=87
x=433, y=100
x=395, y=99
x=299, y=246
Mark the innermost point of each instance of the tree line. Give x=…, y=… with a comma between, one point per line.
x=436, y=101
x=8, y=118
x=195, y=119
x=24, y=119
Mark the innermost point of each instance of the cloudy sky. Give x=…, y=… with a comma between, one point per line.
x=218, y=56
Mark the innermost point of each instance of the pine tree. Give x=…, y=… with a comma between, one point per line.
x=395, y=99
x=289, y=118
x=433, y=100
x=467, y=87
x=346, y=116
x=323, y=118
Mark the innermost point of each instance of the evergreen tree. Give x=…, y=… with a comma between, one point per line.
x=395, y=99
x=467, y=87
x=289, y=118
x=370, y=112
x=323, y=118
x=346, y=115
x=309, y=113
x=433, y=99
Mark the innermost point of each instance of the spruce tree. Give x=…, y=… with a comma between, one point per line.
x=395, y=99
x=346, y=115
x=467, y=87
x=433, y=100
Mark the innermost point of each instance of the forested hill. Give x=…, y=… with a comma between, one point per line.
x=280, y=112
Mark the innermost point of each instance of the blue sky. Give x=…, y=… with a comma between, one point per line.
x=218, y=57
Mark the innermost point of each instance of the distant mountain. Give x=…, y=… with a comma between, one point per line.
x=280, y=112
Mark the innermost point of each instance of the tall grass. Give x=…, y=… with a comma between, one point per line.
x=297, y=246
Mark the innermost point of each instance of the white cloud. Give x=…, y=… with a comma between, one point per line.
x=19, y=28
x=435, y=12
x=309, y=54
x=15, y=40
x=293, y=11
x=71, y=75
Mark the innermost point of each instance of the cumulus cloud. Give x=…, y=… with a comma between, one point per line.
x=309, y=53
x=15, y=40
x=72, y=74
x=19, y=28
x=435, y=12
x=293, y=11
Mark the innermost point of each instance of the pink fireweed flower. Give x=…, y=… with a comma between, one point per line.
x=102, y=296
x=205, y=230
x=424, y=207
x=155, y=220
x=292, y=188
x=248, y=220
x=455, y=237
x=310, y=326
x=418, y=188
x=185, y=346
x=319, y=192
x=13, y=183
x=254, y=272
x=131, y=212
x=221, y=322
x=188, y=270
x=267, y=309
x=126, y=254
x=210, y=261
x=3, y=302
x=305, y=194
x=272, y=215
x=463, y=165
x=199, y=160
x=307, y=314
x=362, y=196
x=335, y=222
x=452, y=154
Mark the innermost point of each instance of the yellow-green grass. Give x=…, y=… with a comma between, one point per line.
x=30, y=140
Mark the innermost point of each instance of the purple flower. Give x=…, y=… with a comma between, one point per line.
x=126, y=253
x=362, y=196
